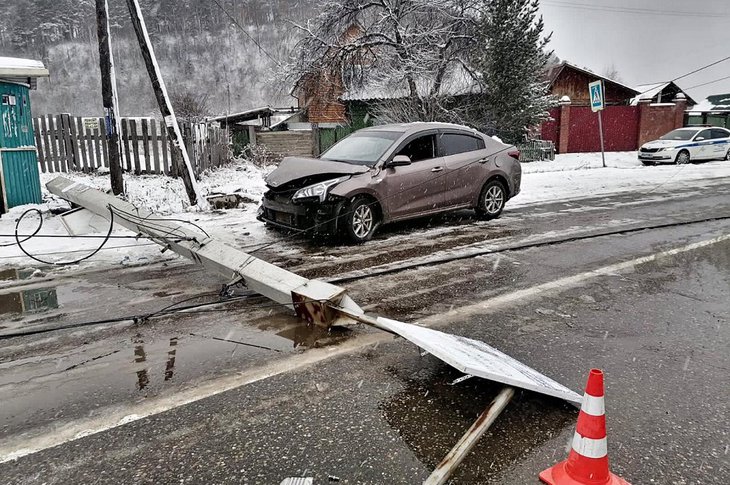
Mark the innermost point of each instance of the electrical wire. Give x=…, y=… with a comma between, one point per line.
x=709, y=82
x=168, y=310
x=233, y=19
x=40, y=224
x=633, y=10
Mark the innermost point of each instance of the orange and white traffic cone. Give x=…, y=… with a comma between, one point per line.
x=587, y=462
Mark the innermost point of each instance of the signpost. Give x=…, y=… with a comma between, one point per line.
x=597, y=104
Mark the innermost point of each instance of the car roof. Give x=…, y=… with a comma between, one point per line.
x=415, y=127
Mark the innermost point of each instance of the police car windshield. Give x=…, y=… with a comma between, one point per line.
x=680, y=135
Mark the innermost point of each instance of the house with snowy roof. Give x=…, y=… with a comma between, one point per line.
x=566, y=79
x=714, y=110
x=664, y=92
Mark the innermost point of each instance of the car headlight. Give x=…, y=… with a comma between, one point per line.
x=318, y=190
x=667, y=149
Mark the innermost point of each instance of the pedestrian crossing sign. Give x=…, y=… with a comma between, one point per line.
x=596, y=92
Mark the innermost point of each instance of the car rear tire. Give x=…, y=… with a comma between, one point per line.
x=683, y=157
x=492, y=200
x=361, y=219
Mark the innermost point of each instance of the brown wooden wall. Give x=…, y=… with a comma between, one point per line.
x=574, y=84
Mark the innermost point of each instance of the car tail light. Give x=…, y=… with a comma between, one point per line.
x=514, y=154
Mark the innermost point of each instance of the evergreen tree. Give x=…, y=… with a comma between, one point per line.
x=512, y=58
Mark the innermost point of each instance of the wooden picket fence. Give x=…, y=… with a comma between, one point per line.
x=68, y=143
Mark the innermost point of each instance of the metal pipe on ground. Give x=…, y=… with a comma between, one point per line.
x=453, y=459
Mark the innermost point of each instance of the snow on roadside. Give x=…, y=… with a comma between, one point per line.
x=570, y=176
x=161, y=194
x=580, y=175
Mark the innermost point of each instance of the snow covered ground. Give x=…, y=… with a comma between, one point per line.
x=570, y=176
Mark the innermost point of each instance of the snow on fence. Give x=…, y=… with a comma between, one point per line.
x=68, y=143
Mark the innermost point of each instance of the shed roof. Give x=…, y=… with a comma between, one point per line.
x=247, y=115
x=15, y=67
x=716, y=102
x=649, y=91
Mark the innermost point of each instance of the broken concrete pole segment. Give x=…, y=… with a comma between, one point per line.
x=313, y=300
x=308, y=297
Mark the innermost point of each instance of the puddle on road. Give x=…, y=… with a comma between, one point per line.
x=301, y=335
x=28, y=301
x=431, y=415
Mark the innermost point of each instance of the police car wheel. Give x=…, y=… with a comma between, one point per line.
x=683, y=157
x=727, y=156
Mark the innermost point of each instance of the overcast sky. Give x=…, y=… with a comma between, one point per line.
x=646, y=40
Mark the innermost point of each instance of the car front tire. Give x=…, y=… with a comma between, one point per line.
x=492, y=200
x=683, y=157
x=727, y=156
x=361, y=220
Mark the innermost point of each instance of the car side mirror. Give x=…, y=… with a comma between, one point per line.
x=400, y=161
x=699, y=138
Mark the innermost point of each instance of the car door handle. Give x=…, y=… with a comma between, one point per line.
x=437, y=169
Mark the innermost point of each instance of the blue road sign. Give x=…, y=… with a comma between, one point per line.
x=596, y=91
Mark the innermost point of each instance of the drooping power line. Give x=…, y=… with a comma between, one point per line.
x=634, y=10
x=233, y=19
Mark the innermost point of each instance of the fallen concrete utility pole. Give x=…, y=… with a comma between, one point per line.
x=323, y=304
x=314, y=301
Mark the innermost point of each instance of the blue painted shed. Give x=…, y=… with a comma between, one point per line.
x=19, y=175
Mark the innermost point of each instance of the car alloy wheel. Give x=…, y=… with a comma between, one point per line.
x=362, y=220
x=492, y=200
x=727, y=156
x=683, y=158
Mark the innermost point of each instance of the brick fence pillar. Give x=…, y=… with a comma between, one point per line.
x=644, y=120
x=564, y=129
x=680, y=103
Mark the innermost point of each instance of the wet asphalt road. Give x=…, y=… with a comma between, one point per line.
x=369, y=409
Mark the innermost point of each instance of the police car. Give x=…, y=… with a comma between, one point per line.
x=687, y=144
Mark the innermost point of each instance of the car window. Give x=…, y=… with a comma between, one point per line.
x=422, y=148
x=706, y=134
x=362, y=147
x=716, y=133
x=679, y=135
x=453, y=144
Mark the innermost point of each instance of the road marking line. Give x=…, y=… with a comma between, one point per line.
x=18, y=447
x=556, y=286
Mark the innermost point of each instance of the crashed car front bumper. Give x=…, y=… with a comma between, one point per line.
x=310, y=216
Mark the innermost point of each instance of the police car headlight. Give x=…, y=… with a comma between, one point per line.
x=319, y=190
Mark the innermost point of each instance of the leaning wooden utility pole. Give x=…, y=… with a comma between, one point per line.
x=163, y=100
x=109, y=95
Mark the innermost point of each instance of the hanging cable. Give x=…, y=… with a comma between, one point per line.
x=40, y=224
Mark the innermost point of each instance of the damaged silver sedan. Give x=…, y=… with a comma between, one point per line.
x=390, y=173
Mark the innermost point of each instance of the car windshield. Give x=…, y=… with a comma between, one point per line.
x=680, y=135
x=362, y=148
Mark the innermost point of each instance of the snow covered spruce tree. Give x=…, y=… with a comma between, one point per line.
x=408, y=56
x=512, y=58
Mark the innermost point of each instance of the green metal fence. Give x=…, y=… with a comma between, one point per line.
x=536, y=150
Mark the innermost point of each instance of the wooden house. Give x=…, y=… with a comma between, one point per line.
x=566, y=79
